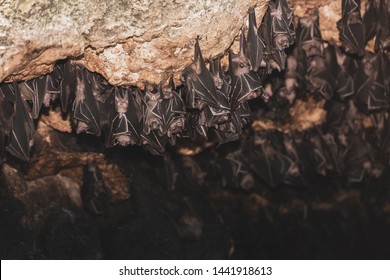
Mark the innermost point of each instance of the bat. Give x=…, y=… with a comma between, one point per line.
x=196, y=124
x=34, y=90
x=85, y=109
x=241, y=175
x=154, y=142
x=7, y=90
x=102, y=92
x=370, y=21
x=125, y=124
x=255, y=44
x=370, y=88
x=351, y=28
x=309, y=38
x=274, y=58
x=94, y=191
x=318, y=78
x=220, y=114
x=200, y=88
x=23, y=129
x=6, y=115
x=344, y=84
x=355, y=157
x=282, y=22
x=52, y=87
x=152, y=117
x=271, y=166
x=382, y=41
x=172, y=111
x=245, y=84
x=67, y=85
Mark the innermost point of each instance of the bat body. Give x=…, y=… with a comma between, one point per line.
x=172, y=110
x=309, y=37
x=67, y=85
x=245, y=84
x=200, y=88
x=23, y=129
x=34, y=90
x=94, y=191
x=125, y=124
x=351, y=29
x=255, y=44
x=6, y=115
x=85, y=109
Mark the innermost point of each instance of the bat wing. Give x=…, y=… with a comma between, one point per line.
x=23, y=129
x=255, y=44
x=6, y=113
x=154, y=143
x=85, y=109
x=199, y=82
x=67, y=85
x=370, y=21
x=351, y=29
x=34, y=90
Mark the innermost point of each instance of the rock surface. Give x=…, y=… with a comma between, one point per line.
x=128, y=42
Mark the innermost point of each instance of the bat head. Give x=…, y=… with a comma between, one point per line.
x=121, y=100
x=239, y=63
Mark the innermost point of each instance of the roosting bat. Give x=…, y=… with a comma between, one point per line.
x=370, y=88
x=94, y=191
x=67, y=85
x=125, y=124
x=241, y=175
x=245, y=83
x=85, y=109
x=200, y=88
x=255, y=44
x=344, y=85
x=172, y=111
x=6, y=114
x=309, y=35
x=282, y=24
x=23, y=129
x=351, y=29
x=271, y=166
x=154, y=142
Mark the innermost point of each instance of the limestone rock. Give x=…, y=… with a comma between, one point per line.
x=128, y=42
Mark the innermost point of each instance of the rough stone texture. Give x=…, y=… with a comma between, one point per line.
x=128, y=42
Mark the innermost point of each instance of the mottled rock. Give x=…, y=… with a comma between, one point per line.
x=128, y=42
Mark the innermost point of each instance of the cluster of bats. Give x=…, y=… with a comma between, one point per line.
x=209, y=101
x=354, y=141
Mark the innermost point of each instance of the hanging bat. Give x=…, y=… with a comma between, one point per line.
x=200, y=88
x=52, y=85
x=255, y=44
x=23, y=129
x=85, y=110
x=196, y=124
x=172, y=111
x=370, y=21
x=344, y=84
x=7, y=90
x=34, y=90
x=6, y=115
x=245, y=84
x=282, y=22
x=271, y=166
x=274, y=58
x=68, y=85
x=370, y=88
x=94, y=191
x=355, y=157
x=154, y=142
x=125, y=124
x=382, y=41
x=241, y=175
x=152, y=117
x=309, y=37
x=351, y=29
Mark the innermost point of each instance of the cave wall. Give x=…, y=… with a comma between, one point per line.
x=128, y=42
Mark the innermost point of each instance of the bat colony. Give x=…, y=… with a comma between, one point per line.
x=214, y=103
